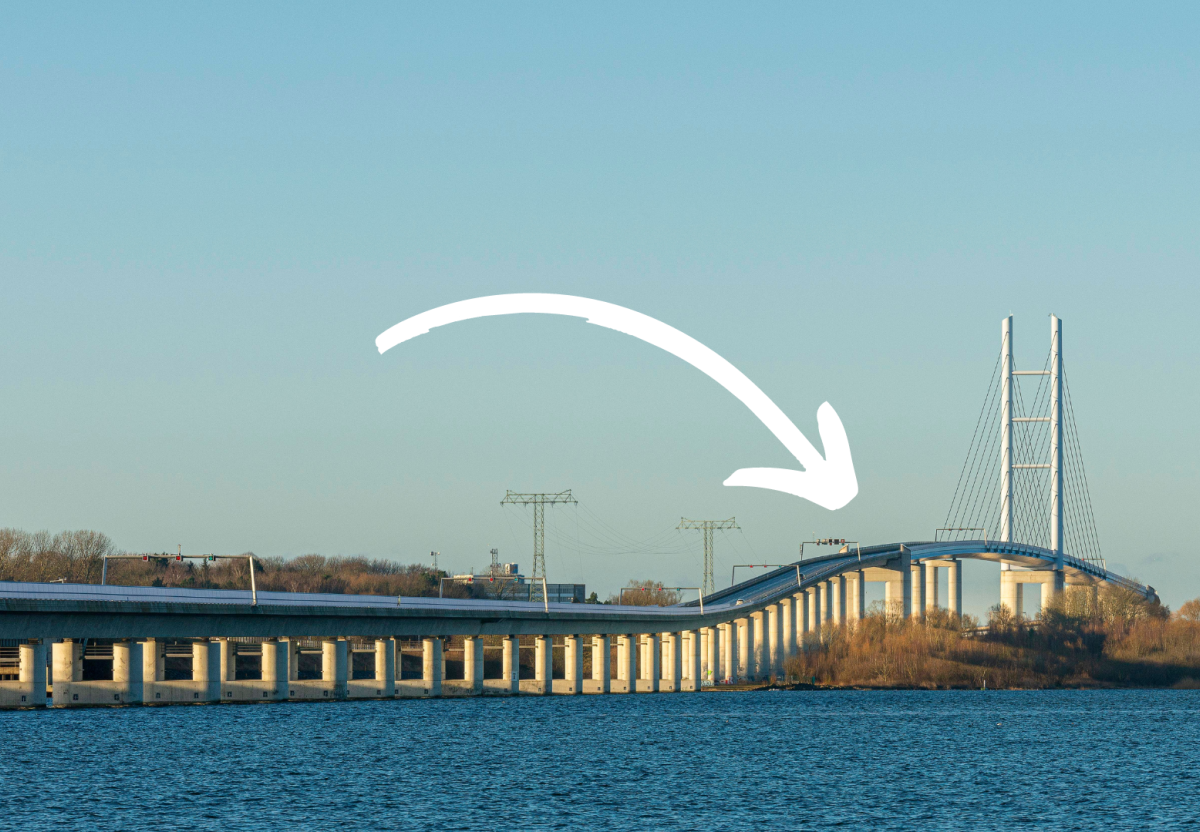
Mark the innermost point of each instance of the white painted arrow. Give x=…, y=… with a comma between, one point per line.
x=829, y=482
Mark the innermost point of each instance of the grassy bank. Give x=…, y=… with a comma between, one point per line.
x=1113, y=640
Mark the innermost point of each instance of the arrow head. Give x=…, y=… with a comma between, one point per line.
x=831, y=483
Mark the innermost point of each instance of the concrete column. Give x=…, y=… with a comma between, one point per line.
x=335, y=655
x=691, y=663
x=759, y=650
x=228, y=659
x=745, y=642
x=712, y=657
x=838, y=584
x=653, y=653
x=814, y=609
x=801, y=598
x=127, y=672
x=774, y=645
x=917, y=582
x=954, y=587
x=729, y=655
x=893, y=598
x=1052, y=587
x=704, y=665
x=574, y=664
x=543, y=669
x=385, y=666
x=672, y=663
x=67, y=660
x=601, y=656
x=32, y=671
x=154, y=662
x=473, y=663
x=293, y=659
x=511, y=662
x=931, y=586
x=275, y=669
x=625, y=666
x=431, y=670
x=206, y=668
x=1012, y=594
x=787, y=626
x=858, y=595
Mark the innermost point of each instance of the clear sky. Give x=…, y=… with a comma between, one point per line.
x=208, y=213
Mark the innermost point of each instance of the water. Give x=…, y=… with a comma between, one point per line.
x=856, y=759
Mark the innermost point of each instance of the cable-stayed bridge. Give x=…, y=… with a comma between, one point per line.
x=1021, y=501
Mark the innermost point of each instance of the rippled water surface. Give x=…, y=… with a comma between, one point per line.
x=878, y=760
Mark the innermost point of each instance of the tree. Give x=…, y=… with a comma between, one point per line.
x=646, y=594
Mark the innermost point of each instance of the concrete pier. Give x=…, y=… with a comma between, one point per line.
x=916, y=583
x=473, y=665
x=626, y=681
x=431, y=666
x=745, y=639
x=954, y=587
x=692, y=679
x=649, y=668
x=787, y=627
x=758, y=646
x=712, y=670
x=672, y=660
x=573, y=667
x=510, y=664
x=728, y=642
x=385, y=666
x=29, y=691
x=774, y=639
x=543, y=665
x=274, y=670
x=601, y=671
x=127, y=673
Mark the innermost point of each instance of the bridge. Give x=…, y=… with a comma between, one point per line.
x=242, y=646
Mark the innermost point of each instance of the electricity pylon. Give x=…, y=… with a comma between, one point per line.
x=539, y=503
x=707, y=527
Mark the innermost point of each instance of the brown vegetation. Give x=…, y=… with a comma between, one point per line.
x=1114, y=639
x=76, y=557
x=645, y=594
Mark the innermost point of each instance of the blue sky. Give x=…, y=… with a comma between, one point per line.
x=209, y=213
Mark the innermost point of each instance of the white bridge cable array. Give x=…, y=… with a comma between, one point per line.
x=976, y=501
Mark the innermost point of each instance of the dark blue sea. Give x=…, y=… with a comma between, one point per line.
x=793, y=760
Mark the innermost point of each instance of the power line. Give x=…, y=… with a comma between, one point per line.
x=707, y=526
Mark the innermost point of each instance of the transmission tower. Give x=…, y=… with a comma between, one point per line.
x=707, y=527
x=539, y=503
